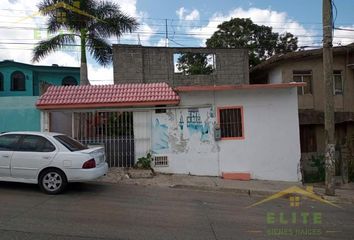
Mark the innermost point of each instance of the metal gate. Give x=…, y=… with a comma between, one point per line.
x=114, y=130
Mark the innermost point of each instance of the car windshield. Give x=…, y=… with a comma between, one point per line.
x=70, y=143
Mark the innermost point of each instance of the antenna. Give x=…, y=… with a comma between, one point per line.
x=139, y=42
x=166, y=40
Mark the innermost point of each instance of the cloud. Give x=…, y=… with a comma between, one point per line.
x=184, y=14
x=100, y=75
x=161, y=42
x=128, y=7
x=24, y=31
x=343, y=37
x=143, y=36
x=279, y=21
x=180, y=13
x=194, y=15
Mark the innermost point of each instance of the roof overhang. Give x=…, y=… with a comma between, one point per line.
x=105, y=105
x=238, y=87
x=108, y=96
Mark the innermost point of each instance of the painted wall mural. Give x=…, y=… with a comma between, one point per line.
x=182, y=130
x=159, y=137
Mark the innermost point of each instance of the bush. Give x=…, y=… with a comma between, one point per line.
x=317, y=162
x=144, y=162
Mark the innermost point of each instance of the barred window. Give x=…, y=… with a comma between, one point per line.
x=337, y=82
x=231, y=122
x=306, y=77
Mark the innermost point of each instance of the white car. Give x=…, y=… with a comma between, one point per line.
x=50, y=160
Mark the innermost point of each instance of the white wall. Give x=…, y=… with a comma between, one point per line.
x=270, y=149
x=275, y=75
x=142, y=134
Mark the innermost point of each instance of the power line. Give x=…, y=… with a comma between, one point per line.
x=170, y=19
x=344, y=29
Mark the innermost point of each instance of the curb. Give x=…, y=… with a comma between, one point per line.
x=248, y=192
x=251, y=192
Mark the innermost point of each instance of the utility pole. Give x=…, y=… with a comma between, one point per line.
x=329, y=100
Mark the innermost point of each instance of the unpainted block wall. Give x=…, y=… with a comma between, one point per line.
x=138, y=64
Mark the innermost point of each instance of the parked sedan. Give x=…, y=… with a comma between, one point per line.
x=50, y=160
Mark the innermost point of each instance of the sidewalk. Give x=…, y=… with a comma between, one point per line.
x=253, y=187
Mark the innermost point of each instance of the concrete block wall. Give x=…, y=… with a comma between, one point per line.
x=138, y=64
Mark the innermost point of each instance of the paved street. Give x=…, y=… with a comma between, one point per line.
x=118, y=211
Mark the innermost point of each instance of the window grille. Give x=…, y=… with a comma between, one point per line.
x=231, y=122
x=161, y=161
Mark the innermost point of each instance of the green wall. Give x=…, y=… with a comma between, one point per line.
x=34, y=75
x=19, y=114
x=54, y=78
x=7, y=71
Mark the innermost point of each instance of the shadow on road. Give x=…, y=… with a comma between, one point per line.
x=72, y=188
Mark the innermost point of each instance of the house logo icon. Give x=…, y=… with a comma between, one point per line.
x=59, y=8
x=294, y=221
x=294, y=193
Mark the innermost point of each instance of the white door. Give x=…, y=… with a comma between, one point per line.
x=7, y=144
x=33, y=153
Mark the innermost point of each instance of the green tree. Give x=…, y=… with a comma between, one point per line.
x=261, y=41
x=194, y=63
x=89, y=22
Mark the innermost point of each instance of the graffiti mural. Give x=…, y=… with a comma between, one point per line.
x=181, y=131
x=196, y=126
x=159, y=137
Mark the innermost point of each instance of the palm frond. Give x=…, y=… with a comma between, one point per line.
x=111, y=21
x=100, y=49
x=45, y=47
x=53, y=25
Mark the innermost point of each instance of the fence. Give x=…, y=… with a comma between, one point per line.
x=114, y=130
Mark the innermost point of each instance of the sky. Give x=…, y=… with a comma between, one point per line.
x=189, y=24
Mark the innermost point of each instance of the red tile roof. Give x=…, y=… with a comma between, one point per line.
x=97, y=96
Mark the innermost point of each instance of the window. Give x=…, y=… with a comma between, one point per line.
x=70, y=143
x=337, y=82
x=8, y=142
x=69, y=81
x=18, y=81
x=189, y=63
x=231, y=122
x=1, y=82
x=33, y=143
x=306, y=77
x=160, y=109
x=308, y=141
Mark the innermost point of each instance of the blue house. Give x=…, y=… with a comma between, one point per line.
x=20, y=86
x=20, y=79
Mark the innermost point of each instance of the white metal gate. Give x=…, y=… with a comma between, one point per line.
x=114, y=130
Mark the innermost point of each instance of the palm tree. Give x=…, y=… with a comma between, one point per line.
x=91, y=21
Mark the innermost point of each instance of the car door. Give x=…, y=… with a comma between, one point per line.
x=32, y=154
x=7, y=144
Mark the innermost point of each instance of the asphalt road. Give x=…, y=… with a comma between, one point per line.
x=114, y=211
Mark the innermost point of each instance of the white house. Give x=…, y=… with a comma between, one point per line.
x=236, y=131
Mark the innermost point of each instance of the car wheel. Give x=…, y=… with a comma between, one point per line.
x=52, y=181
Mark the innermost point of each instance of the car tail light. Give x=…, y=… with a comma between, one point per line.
x=89, y=164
